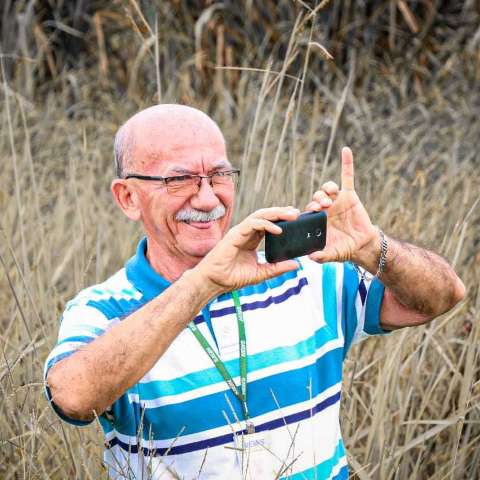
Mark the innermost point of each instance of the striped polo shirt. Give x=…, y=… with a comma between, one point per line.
x=181, y=420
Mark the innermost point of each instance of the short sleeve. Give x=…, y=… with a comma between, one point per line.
x=361, y=305
x=350, y=304
x=80, y=325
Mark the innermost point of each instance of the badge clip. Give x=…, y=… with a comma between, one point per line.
x=250, y=428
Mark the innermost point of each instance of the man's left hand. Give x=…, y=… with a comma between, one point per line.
x=349, y=229
x=351, y=237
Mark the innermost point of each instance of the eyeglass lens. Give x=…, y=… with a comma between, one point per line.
x=189, y=185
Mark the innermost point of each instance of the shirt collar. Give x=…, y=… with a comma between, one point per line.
x=141, y=274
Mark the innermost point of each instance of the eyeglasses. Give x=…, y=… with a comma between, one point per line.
x=186, y=185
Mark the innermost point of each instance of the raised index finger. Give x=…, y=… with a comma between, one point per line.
x=347, y=169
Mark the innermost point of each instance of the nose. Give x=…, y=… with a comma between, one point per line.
x=205, y=199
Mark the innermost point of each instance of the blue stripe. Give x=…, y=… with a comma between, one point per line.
x=113, y=308
x=106, y=292
x=56, y=359
x=349, y=311
x=323, y=470
x=208, y=321
x=263, y=287
x=200, y=319
x=202, y=378
x=342, y=474
x=107, y=425
x=329, y=291
x=373, y=308
x=129, y=292
x=95, y=331
x=362, y=289
x=81, y=329
x=78, y=338
x=295, y=290
x=290, y=292
x=265, y=395
x=228, y=438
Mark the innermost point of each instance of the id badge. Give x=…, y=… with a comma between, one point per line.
x=254, y=455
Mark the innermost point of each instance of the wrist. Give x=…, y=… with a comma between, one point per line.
x=370, y=257
x=202, y=287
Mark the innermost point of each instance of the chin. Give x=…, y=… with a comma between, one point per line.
x=200, y=249
x=198, y=242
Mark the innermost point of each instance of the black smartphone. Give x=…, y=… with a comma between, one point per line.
x=305, y=235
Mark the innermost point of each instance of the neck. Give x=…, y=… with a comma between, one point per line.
x=168, y=264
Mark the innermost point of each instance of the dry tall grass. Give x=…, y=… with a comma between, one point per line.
x=410, y=401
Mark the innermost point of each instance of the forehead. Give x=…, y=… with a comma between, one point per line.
x=190, y=160
x=193, y=150
x=204, y=166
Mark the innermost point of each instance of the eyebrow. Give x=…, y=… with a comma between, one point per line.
x=184, y=171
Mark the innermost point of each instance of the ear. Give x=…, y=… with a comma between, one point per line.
x=126, y=198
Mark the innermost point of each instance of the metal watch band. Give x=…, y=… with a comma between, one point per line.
x=383, y=253
x=382, y=261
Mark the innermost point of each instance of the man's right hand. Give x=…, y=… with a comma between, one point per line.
x=233, y=263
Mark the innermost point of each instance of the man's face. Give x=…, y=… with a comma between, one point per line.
x=203, y=154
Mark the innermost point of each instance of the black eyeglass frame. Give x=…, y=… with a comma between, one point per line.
x=183, y=177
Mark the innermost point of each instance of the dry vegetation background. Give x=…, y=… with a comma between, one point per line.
x=402, y=90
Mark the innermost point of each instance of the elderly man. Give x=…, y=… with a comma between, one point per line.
x=199, y=358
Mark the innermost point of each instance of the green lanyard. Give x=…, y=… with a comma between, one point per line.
x=242, y=393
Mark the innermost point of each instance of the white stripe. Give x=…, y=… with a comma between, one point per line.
x=219, y=460
x=111, y=288
x=264, y=332
x=252, y=376
x=336, y=469
x=217, y=465
x=339, y=292
x=226, y=429
x=78, y=319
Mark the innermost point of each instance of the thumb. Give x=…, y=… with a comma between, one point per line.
x=328, y=254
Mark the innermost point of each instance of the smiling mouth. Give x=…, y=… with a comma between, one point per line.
x=200, y=225
x=197, y=221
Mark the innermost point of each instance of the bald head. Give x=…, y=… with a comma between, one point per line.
x=156, y=132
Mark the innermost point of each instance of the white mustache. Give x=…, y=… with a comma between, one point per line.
x=192, y=215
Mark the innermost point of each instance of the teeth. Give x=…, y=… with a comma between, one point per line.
x=188, y=222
